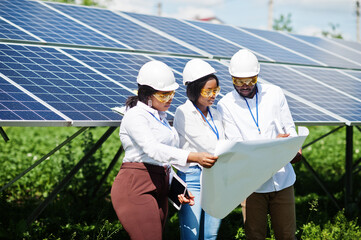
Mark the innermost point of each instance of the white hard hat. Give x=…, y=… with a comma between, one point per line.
x=157, y=75
x=196, y=69
x=244, y=64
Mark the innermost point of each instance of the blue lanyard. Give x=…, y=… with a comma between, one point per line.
x=162, y=122
x=256, y=122
x=215, y=130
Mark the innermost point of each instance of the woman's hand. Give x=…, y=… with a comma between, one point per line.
x=202, y=158
x=186, y=200
x=283, y=135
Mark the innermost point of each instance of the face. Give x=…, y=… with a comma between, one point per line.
x=210, y=89
x=161, y=100
x=245, y=86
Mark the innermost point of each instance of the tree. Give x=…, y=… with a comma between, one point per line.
x=283, y=23
x=333, y=33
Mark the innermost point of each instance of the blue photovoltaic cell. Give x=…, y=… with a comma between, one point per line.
x=8, y=31
x=255, y=44
x=122, y=68
x=303, y=48
x=49, y=25
x=66, y=85
x=334, y=78
x=17, y=105
x=300, y=111
x=333, y=47
x=188, y=34
x=312, y=91
x=122, y=29
x=350, y=44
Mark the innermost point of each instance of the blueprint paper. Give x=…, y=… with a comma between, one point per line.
x=242, y=167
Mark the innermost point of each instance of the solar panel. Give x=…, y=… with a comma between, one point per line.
x=121, y=29
x=58, y=84
x=49, y=25
x=353, y=45
x=323, y=56
x=337, y=104
x=16, y=105
x=267, y=49
x=62, y=82
x=348, y=54
x=200, y=39
x=8, y=31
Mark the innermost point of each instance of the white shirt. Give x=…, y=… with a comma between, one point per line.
x=146, y=139
x=274, y=117
x=195, y=135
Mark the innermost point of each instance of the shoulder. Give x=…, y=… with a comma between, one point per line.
x=269, y=88
x=228, y=97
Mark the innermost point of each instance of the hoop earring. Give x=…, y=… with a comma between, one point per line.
x=150, y=104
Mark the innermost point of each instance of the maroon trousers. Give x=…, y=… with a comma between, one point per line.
x=139, y=196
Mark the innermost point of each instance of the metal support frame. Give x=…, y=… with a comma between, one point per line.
x=348, y=169
x=44, y=158
x=3, y=134
x=313, y=172
x=68, y=177
x=110, y=167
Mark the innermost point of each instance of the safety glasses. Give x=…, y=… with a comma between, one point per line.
x=164, y=97
x=210, y=92
x=251, y=81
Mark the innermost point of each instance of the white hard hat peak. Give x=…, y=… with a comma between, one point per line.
x=196, y=69
x=244, y=64
x=157, y=75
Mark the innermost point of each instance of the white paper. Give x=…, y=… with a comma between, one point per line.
x=242, y=167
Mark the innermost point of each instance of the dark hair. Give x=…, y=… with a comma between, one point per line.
x=194, y=88
x=144, y=92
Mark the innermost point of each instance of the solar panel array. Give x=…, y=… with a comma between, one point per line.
x=68, y=65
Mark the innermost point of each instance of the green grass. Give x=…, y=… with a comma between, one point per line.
x=78, y=213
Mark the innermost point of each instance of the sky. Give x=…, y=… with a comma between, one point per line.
x=308, y=17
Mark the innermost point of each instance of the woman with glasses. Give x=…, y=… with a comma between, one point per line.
x=199, y=127
x=139, y=192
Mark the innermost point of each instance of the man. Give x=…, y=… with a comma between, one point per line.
x=255, y=111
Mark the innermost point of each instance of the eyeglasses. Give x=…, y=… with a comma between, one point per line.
x=210, y=92
x=164, y=97
x=251, y=81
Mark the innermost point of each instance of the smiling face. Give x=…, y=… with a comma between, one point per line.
x=209, y=87
x=246, y=87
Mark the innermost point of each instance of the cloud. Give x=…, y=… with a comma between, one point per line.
x=189, y=12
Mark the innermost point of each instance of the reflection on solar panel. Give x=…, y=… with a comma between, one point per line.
x=323, y=56
x=349, y=55
x=77, y=85
x=271, y=51
x=119, y=28
x=49, y=25
x=189, y=34
x=312, y=91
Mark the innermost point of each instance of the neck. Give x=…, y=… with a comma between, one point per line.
x=203, y=109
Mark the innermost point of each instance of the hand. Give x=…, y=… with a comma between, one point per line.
x=204, y=159
x=283, y=135
x=184, y=200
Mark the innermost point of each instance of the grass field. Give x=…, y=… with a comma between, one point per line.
x=84, y=211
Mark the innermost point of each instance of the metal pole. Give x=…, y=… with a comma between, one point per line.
x=270, y=14
x=358, y=20
x=68, y=177
x=110, y=167
x=43, y=158
x=3, y=134
x=348, y=168
x=318, y=180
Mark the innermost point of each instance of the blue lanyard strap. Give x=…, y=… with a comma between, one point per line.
x=256, y=122
x=215, y=130
x=162, y=122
